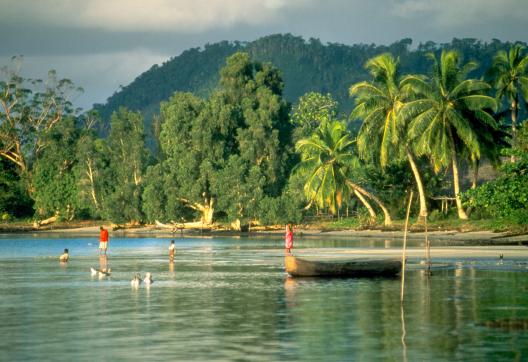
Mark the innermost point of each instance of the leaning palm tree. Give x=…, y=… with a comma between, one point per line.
x=328, y=159
x=383, y=132
x=509, y=75
x=445, y=114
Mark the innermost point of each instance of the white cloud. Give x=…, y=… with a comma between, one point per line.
x=446, y=13
x=151, y=15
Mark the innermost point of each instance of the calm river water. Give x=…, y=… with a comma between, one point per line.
x=230, y=299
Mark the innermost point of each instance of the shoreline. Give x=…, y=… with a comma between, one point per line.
x=467, y=237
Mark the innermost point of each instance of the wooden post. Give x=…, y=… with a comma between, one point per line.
x=427, y=249
x=405, y=246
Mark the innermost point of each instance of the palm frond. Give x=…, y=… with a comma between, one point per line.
x=469, y=86
x=478, y=102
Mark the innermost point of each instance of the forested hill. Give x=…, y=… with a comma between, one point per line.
x=305, y=65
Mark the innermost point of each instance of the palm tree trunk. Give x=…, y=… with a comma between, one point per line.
x=419, y=184
x=475, y=165
x=461, y=213
x=386, y=214
x=514, y=108
x=367, y=205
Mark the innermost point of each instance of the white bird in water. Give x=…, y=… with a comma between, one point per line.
x=148, y=279
x=136, y=281
x=101, y=273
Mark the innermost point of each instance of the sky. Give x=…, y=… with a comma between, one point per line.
x=104, y=44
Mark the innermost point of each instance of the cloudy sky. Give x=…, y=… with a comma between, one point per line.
x=101, y=44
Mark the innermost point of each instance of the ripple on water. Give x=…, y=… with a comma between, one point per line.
x=227, y=300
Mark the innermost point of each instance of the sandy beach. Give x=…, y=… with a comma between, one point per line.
x=443, y=238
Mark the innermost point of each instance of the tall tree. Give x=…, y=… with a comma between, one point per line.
x=509, y=75
x=29, y=110
x=230, y=148
x=53, y=177
x=383, y=131
x=92, y=167
x=445, y=114
x=328, y=159
x=127, y=154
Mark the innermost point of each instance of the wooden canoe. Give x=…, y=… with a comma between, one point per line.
x=298, y=267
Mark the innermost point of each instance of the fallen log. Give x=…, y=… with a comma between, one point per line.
x=38, y=223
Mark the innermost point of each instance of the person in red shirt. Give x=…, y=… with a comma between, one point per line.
x=103, y=240
x=288, y=238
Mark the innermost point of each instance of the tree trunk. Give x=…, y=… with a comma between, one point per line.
x=461, y=213
x=207, y=209
x=386, y=214
x=90, y=175
x=367, y=205
x=419, y=185
x=514, y=109
x=47, y=221
x=236, y=225
x=474, y=180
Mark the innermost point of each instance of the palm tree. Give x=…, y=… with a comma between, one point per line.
x=383, y=132
x=509, y=75
x=446, y=114
x=327, y=157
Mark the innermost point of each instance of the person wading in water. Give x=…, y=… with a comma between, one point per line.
x=288, y=238
x=103, y=240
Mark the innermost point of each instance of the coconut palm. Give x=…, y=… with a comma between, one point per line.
x=509, y=75
x=383, y=132
x=328, y=159
x=446, y=115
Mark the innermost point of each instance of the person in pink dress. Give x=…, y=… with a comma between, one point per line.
x=288, y=238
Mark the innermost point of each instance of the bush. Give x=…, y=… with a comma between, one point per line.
x=504, y=197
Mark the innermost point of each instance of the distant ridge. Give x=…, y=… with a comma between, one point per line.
x=306, y=65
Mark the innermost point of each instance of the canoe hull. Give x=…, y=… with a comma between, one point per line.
x=298, y=267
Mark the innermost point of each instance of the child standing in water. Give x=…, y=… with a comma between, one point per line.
x=64, y=257
x=288, y=238
x=171, y=250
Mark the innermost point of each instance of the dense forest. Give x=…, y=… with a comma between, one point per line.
x=305, y=66
x=282, y=130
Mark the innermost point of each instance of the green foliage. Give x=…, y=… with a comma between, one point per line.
x=383, y=132
x=154, y=196
x=506, y=196
x=92, y=170
x=306, y=66
x=54, y=179
x=229, y=147
x=521, y=142
x=226, y=152
x=29, y=110
x=311, y=110
x=288, y=207
x=509, y=75
x=448, y=110
x=14, y=198
x=391, y=184
x=127, y=155
x=327, y=158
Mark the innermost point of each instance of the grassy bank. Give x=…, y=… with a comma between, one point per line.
x=449, y=224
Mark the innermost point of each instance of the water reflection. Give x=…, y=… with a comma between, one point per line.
x=231, y=300
x=103, y=262
x=403, y=333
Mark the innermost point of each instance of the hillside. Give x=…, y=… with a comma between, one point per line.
x=306, y=65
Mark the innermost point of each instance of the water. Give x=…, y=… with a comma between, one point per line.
x=229, y=299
